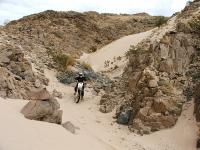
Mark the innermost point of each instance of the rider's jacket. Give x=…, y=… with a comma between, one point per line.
x=80, y=79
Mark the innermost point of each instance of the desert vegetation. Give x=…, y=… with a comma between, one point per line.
x=86, y=65
x=63, y=61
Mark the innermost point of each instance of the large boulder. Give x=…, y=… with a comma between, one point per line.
x=46, y=110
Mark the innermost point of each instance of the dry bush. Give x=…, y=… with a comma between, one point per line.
x=86, y=65
x=63, y=61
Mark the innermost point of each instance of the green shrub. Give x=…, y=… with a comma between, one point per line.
x=161, y=20
x=63, y=61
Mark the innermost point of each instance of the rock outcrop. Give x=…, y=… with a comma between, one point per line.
x=16, y=74
x=20, y=81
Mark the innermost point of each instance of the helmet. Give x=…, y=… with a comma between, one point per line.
x=80, y=74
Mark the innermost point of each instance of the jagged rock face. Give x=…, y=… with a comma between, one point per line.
x=73, y=32
x=157, y=88
x=158, y=101
x=170, y=58
x=174, y=56
x=16, y=74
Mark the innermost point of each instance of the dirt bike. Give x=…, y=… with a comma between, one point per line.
x=80, y=90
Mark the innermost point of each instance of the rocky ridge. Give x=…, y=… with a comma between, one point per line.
x=45, y=34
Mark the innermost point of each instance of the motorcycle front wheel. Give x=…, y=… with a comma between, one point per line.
x=78, y=96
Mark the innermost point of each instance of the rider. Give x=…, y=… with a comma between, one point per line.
x=79, y=78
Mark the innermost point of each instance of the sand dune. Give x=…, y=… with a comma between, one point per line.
x=114, y=49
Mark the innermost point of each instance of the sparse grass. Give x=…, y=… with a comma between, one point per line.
x=63, y=61
x=161, y=20
x=86, y=65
